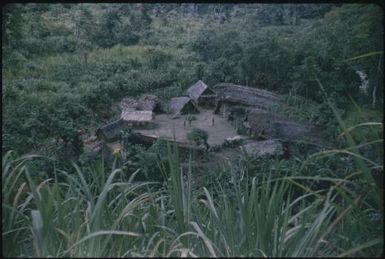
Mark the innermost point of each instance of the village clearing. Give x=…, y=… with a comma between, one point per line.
x=170, y=128
x=233, y=108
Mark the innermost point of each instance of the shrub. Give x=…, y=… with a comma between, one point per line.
x=198, y=136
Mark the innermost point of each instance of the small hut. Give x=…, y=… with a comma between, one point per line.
x=144, y=103
x=202, y=94
x=110, y=132
x=149, y=102
x=128, y=104
x=138, y=119
x=182, y=105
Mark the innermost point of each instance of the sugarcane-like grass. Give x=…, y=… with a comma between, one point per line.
x=279, y=212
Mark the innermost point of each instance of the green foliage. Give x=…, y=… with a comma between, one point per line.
x=72, y=95
x=198, y=136
x=82, y=49
x=153, y=159
x=64, y=65
x=12, y=21
x=274, y=209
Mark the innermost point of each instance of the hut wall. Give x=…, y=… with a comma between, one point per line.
x=223, y=109
x=140, y=125
x=158, y=109
x=207, y=101
x=189, y=108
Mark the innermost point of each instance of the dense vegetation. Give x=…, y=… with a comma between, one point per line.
x=65, y=65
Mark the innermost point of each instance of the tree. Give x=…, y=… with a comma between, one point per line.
x=12, y=21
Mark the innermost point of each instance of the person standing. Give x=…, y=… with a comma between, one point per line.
x=189, y=118
x=121, y=137
x=125, y=139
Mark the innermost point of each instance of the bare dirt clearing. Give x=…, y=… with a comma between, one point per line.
x=168, y=127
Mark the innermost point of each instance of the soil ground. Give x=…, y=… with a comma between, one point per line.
x=168, y=127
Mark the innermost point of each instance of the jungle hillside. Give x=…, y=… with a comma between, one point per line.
x=280, y=154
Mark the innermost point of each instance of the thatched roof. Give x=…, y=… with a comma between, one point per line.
x=262, y=148
x=257, y=118
x=178, y=103
x=144, y=103
x=276, y=126
x=245, y=95
x=111, y=130
x=128, y=104
x=197, y=89
x=148, y=103
x=137, y=116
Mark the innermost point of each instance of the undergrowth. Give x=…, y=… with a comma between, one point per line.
x=275, y=209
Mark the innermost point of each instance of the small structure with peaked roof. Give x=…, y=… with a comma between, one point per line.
x=138, y=119
x=202, y=94
x=146, y=102
x=182, y=105
x=111, y=131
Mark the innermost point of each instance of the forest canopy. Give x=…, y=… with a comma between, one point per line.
x=280, y=107
x=64, y=64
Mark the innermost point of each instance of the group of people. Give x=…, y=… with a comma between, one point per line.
x=189, y=118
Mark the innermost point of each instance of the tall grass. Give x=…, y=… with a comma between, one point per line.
x=276, y=210
x=68, y=218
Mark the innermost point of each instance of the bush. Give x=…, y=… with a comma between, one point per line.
x=61, y=44
x=198, y=136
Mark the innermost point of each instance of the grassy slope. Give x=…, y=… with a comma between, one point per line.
x=85, y=213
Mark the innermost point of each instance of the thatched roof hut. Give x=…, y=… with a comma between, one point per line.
x=182, y=105
x=244, y=95
x=128, y=104
x=149, y=102
x=111, y=131
x=270, y=125
x=200, y=89
x=138, y=119
x=144, y=103
x=137, y=116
